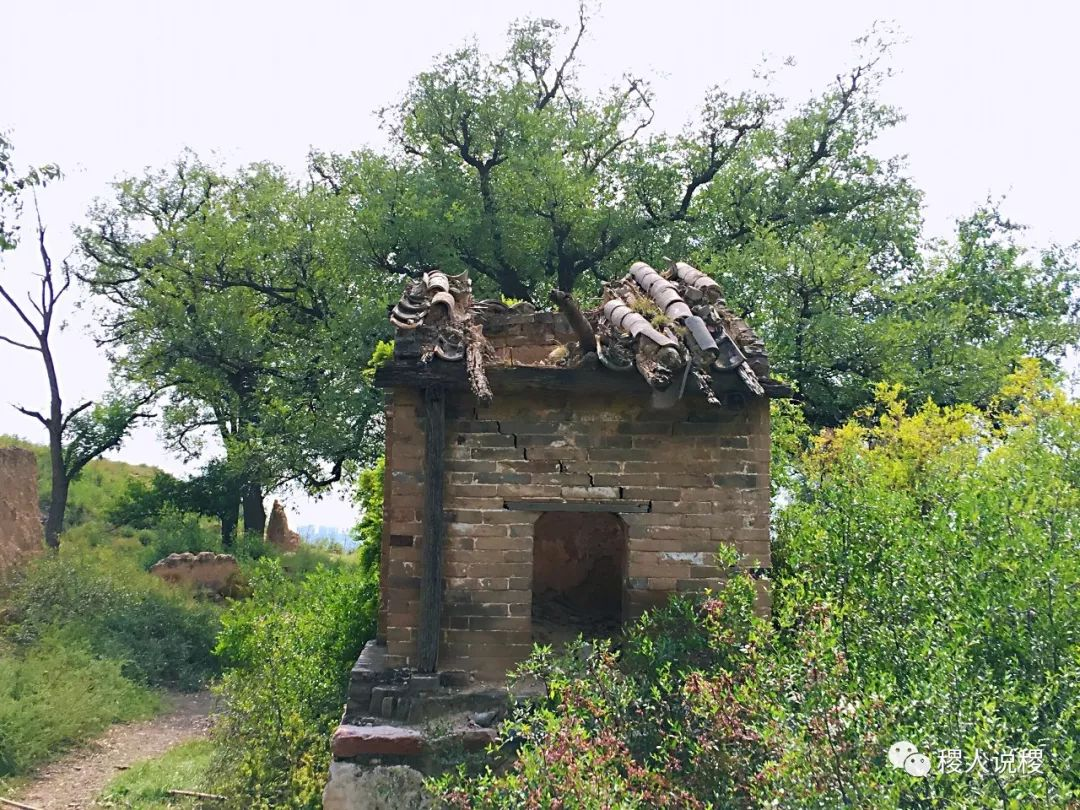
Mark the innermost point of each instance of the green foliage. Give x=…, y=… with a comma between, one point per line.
x=382, y=354
x=669, y=723
x=505, y=167
x=287, y=652
x=160, y=636
x=368, y=532
x=925, y=569
x=238, y=295
x=212, y=492
x=943, y=545
x=175, y=533
x=57, y=692
x=144, y=785
x=14, y=184
x=972, y=309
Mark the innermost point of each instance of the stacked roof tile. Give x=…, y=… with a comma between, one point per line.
x=668, y=327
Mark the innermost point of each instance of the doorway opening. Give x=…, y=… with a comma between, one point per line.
x=579, y=563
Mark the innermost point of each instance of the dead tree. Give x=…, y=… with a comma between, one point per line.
x=81, y=434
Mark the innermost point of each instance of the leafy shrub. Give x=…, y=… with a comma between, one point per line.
x=175, y=533
x=668, y=723
x=287, y=652
x=942, y=546
x=57, y=692
x=161, y=636
x=250, y=546
x=369, y=496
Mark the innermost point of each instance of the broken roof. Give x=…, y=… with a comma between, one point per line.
x=673, y=329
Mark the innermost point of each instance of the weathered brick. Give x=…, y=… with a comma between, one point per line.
x=587, y=493
x=474, y=441
x=661, y=583
x=353, y=741
x=651, y=493
x=543, y=452
x=454, y=466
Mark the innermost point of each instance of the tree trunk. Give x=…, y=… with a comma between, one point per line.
x=58, y=498
x=229, y=521
x=254, y=510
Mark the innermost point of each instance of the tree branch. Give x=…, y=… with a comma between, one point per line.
x=34, y=414
x=549, y=92
x=26, y=346
x=75, y=412
x=19, y=311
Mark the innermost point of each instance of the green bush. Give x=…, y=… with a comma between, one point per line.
x=369, y=496
x=175, y=533
x=161, y=636
x=57, y=692
x=941, y=549
x=287, y=652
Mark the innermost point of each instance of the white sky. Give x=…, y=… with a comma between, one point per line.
x=105, y=88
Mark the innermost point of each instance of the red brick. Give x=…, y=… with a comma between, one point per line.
x=354, y=741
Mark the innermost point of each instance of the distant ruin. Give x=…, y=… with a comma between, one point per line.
x=216, y=573
x=278, y=533
x=21, y=534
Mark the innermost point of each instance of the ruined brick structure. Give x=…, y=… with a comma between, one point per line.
x=547, y=474
x=564, y=470
x=21, y=535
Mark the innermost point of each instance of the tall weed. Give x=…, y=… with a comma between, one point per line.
x=160, y=636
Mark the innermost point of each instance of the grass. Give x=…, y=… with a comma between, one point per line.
x=56, y=693
x=144, y=786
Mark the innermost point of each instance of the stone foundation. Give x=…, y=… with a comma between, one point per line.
x=399, y=725
x=382, y=787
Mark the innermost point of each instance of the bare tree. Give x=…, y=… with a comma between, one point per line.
x=81, y=434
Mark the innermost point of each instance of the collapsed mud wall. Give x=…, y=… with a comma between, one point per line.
x=21, y=534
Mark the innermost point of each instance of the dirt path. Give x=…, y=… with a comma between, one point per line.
x=74, y=781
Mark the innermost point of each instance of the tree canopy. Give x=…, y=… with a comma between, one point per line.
x=232, y=294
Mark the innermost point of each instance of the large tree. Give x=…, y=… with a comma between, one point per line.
x=508, y=168
x=975, y=305
x=76, y=435
x=226, y=293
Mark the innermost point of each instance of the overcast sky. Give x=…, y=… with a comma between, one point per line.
x=105, y=88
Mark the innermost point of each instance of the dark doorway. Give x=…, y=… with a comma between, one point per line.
x=579, y=562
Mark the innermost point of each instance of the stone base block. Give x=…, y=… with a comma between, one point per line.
x=359, y=787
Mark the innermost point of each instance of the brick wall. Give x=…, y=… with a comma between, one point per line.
x=704, y=470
